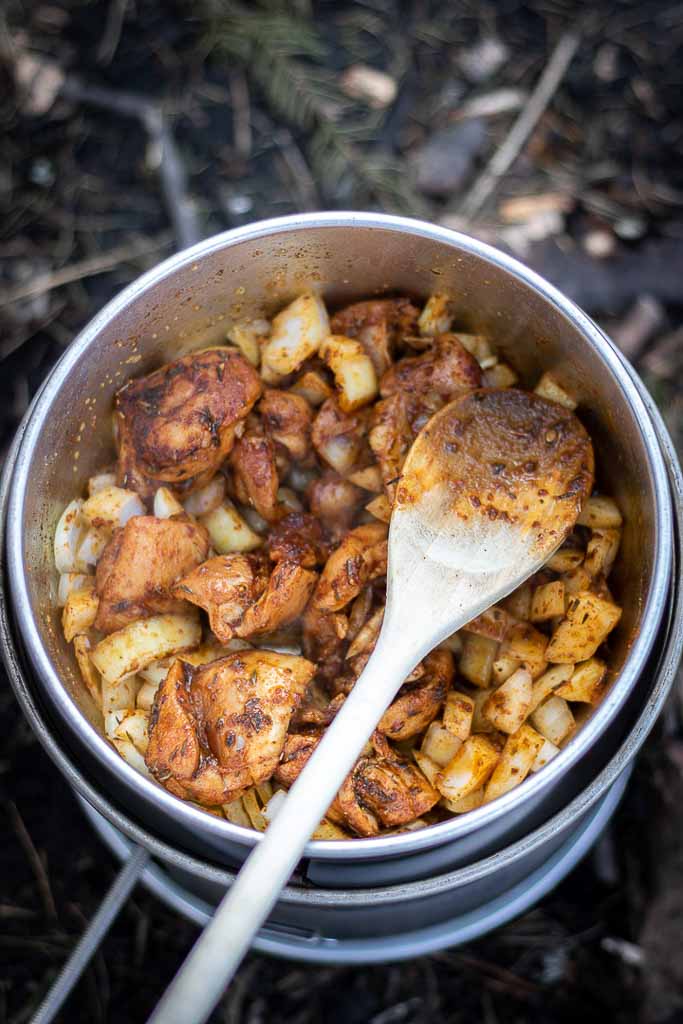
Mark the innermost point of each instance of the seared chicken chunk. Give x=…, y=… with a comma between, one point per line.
x=287, y=418
x=378, y=324
x=298, y=538
x=391, y=437
x=255, y=472
x=323, y=640
x=179, y=422
x=220, y=728
x=361, y=556
x=334, y=501
x=140, y=564
x=242, y=599
x=418, y=703
x=446, y=370
x=383, y=790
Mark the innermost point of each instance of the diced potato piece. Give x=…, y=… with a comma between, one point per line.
x=466, y=803
x=229, y=531
x=585, y=683
x=500, y=376
x=353, y=371
x=601, y=552
x=207, y=498
x=70, y=582
x=166, y=504
x=528, y=645
x=469, y=769
x=370, y=479
x=313, y=387
x=575, y=581
x=252, y=806
x=68, y=537
x=430, y=769
x=476, y=660
x=554, y=720
x=91, y=547
x=157, y=671
x=245, y=336
x=566, y=559
x=264, y=791
x=380, y=508
x=437, y=315
x=119, y=695
x=328, y=831
x=128, y=732
x=547, y=752
x=457, y=714
x=440, y=744
x=508, y=706
x=503, y=667
x=274, y=804
x=494, y=623
x=146, y=640
x=549, y=387
x=479, y=722
x=99, y=481
x=548, y=682
x=518, y=603
x=112, y=507
x=519, y=753
x=235, y=812
x=480, y=347
x=79, y=611
x=146, y=695
x=82, y=649
x=547, y=601
x=589, y=619
x=296, y=334
x=600, y=513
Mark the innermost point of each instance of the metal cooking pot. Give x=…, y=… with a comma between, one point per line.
x=188, y=302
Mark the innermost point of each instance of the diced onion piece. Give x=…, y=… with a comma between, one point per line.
x=120, y=695
x=518, y=604
x=68, y=536
x=437, y=315
x=354, y=374
x=235, y=812
x=600, y=513
x=253, y=808
x=82, y=649
x=480, y=347
x=100, y=481
x=547, y=601
x=479, y=722
x=112, y=507
x=328, y=831
x=264, y=790
x=500, y=376
x=585, y=683
x=370, y=479
x=297, y=333
x=274, y=804
x=589, y=619
x=519, y=753
x=494, y=623
x=70, y=582
x=146, y=695
x=548, y=682
x=91, y=547
x=566, y=559
x=466, y=803
x=549, y=387
x=457, y=714
x=79, y=611
x=528, y=645
x=508, y=706
x=313, y=387
x=575, y=581
x=601, y=551
x=547, y=752
x=476, y=660
x=452, y=643
x=440, y=744
x=246, y=337
x=206, y=499
x=339, y=452
x=380, y=508
x=129, y=725
x=469, y=769
x=229, y=531
x=554, y=720
x=287, y=497
x=146, y=640
x=157, y=671
x=503, y=667
x=430, y=769
x=166, y=504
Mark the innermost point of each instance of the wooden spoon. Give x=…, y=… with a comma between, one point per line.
x=490, y=488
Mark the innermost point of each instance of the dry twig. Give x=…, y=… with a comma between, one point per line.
x=37, y=866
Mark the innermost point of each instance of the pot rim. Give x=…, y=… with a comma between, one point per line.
x=408, y=842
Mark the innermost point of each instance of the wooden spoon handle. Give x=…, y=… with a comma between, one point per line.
x=227, y=938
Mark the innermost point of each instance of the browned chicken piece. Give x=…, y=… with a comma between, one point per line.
x=338, y=436
x=361, y=556
x=445, y=370
x=217, y=729
x=418, y=704
x=378, y=324
x=298, y=538
x=242, y=599
x=287, y=419
x=323, y=640
x=255, y=472
x=140, y=564
x=383, y=790
x=334, y=501
x=310, y=715
x=391, y=437
x=179, y=422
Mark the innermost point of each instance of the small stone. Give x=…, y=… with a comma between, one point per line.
x=599, y=243
x=444, y=163
x=376, y=88
x=483, y=59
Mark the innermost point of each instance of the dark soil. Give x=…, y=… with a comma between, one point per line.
x=92, y=192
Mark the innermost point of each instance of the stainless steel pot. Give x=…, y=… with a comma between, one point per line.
x=189, y=301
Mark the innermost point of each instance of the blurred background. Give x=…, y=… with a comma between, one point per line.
x=131, y=128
